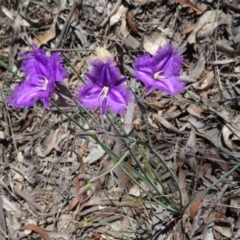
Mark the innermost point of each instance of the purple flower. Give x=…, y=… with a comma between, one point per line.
x=41, y=73
x=160, y=71
x=104, y=88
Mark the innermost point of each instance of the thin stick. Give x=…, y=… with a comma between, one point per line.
x=66, y=25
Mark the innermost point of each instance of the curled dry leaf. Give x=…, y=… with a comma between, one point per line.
x=52, y=141
x=207, y=81
x=28, y=121
x=167, y=124
x=227, y=133
x=46, y=36
x=36, y=229
x=206, y=25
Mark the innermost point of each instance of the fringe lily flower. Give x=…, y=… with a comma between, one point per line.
x=41, y=73
x=160, y=71
x=104, y=88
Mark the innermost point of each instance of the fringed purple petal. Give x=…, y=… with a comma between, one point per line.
x=41, y=74
x=171, y=85
x=105, y=73
x=103, y=89
x=58, y=72
x=167, y=60
x=160, y=71
x=118, y=98
x=89, y=95
x=161, y=58
x=143, y=70
x=25, y=95
x=36, y=63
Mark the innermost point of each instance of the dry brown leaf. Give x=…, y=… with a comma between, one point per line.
x=191, y=149
x=212, y=134
x=195, y=206
x=36, y=229
x=50, y=143
x=191, y=5
x=183, y=185
x=227, y=133
x=198, y=69
x=97, y=236
x=83, y=147
x=167, y=124
x=207, y=24
x=128, y=40
x=189, y=29
x=78, y=184
x=95, y=153
x=27, y=122
x=207, y=81
x=131, y=22
x=194, y=110
x=46, y=36
x=223, y=226
x=120, y=14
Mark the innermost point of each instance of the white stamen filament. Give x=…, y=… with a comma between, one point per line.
x=158, y=75
x=43, y=83
x=103, y=94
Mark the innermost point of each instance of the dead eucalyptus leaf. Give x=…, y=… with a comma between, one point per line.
x=46, y=36
x=191, y=5
x=194, y=110
x=120, y=14
x=210, y=133
x=95, y=153
x=226, y=133
x=167, y=124
x=206, y=25
x=137, y=3
x=52, y=141
x=131, y=22
x=36, y=229
x=207, y=81
x=128, y=40
x=195, y=205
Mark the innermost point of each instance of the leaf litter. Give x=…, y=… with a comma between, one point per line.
x=49, y=184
